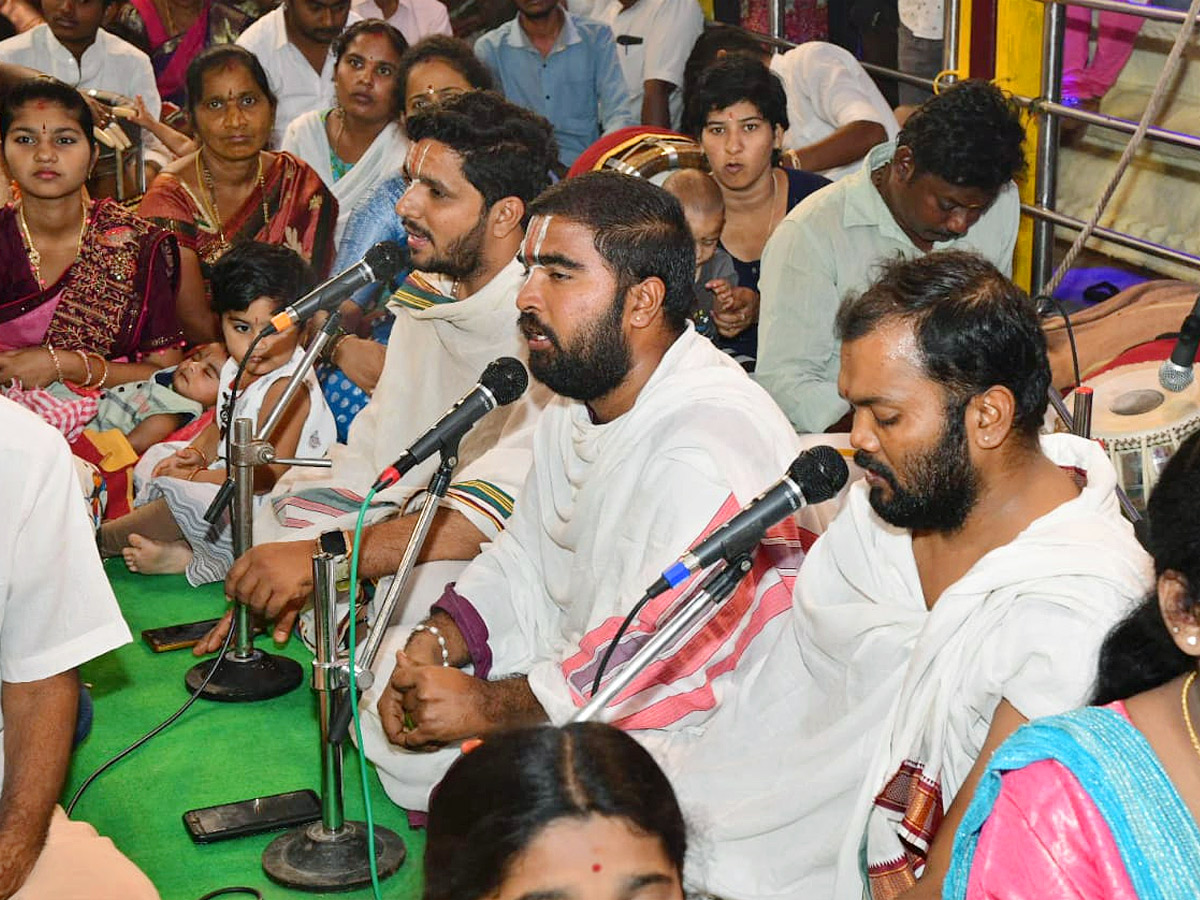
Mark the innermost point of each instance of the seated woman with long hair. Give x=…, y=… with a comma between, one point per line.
x=581, y=810
x=1103, y=803
x=89, y=287
x=359, y=142
x=233, y=189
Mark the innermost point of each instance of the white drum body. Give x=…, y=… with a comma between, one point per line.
x=1140, y=423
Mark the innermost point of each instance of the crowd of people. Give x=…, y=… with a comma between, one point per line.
x=887, y=705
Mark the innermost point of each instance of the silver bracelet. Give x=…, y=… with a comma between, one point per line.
x=436, y=632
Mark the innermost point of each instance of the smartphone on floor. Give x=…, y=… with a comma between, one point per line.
x=230, y=820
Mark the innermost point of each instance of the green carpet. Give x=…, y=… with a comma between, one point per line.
x=216, y=753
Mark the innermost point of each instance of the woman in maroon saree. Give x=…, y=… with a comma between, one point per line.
x=232, y=189
x=88, y=288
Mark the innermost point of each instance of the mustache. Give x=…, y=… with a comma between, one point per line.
x=864, y=460
x=530, y=325
x=415, y=229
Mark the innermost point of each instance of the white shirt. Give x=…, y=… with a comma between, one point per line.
x=415, y=19
x=57, y=610
x=110, y=64
x=654, y=39
x=826, y=90
x=298, y=87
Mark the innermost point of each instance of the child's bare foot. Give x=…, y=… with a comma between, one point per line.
x=150, y=557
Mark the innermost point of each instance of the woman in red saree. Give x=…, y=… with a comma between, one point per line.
x=232, y=189
x=88, y=288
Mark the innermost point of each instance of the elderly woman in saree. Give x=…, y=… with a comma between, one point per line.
x=232, y=188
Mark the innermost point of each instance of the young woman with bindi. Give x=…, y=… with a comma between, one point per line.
x=355, y=145
x=91, y=287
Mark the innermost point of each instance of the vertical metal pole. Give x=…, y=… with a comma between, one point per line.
x=1046, y=175
x=775, y=12
x=326, y=683
x=951, y=30
x=242, y=472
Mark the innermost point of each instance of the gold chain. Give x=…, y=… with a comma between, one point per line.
x=1187, y=716
x=205, y=178
x=35, y=255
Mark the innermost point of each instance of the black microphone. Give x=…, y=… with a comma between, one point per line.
x=1175, y=373
x=502, y=382
x=381, y=263
x=815, y=476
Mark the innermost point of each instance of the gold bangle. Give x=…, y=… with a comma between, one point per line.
x=195, y=472
x=104, y=374
x=200, y=453
x=87, y=368
x=54, y=359
x=336, y=345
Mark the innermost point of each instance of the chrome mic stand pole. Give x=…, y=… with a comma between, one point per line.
x=330, y=855
x=438, y=485
x=713, y=590
x=249, y=674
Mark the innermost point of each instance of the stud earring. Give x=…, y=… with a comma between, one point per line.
x=1174, y=629
x=1191, y=640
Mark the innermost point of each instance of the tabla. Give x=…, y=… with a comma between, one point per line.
x=645, y=153
x=1140, y=424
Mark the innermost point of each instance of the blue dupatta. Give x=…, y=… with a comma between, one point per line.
x=1153, y=829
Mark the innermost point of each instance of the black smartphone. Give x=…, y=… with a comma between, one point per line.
x=176, y=637
x=230, y=820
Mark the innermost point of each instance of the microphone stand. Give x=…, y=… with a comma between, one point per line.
x=438, y=485
x=332, y=854
x=246, y=673
x=715, y=589
x=1083, y=429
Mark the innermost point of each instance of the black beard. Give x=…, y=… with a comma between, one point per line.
x=462, y=259
x=595, y=365
x=943, y=486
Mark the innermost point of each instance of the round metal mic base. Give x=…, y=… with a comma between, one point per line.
x=259, y=676
x=309, y=858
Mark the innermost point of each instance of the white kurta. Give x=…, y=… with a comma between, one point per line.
x=305, y=137
x=434, y=356
x=57, y=610
x=878, y=678
x=605, y=509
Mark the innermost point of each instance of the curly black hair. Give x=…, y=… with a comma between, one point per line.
x=454, y=53
x=968, y=135
x=506, y=150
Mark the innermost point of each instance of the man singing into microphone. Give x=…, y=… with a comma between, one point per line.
x=475, y=163
x=654, y=439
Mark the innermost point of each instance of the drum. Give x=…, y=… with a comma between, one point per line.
x=645, y=153
x=1140, y=424
x=120, y=172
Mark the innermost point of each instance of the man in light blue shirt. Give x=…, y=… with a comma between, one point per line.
x=946, y=182
x=562, y=67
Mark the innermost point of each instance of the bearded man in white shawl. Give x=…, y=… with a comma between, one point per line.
x=965, y=587
x=654, y=439
x=475, y=162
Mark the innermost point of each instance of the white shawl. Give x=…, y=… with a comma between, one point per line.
x=305, y=137
x=904, y=684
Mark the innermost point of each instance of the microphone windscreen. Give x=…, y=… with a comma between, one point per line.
x=506, y=378
x=821, y=473
x=1174, y=377
x=387, y=259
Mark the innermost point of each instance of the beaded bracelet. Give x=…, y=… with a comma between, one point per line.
x=436, y=632
x=87, y=367
x=54, y=359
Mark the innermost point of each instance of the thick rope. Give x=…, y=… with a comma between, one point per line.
x=1153, y=106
